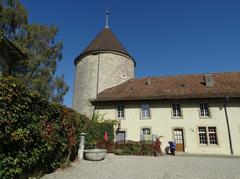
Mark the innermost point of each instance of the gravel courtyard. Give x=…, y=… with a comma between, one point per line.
x=166, y=167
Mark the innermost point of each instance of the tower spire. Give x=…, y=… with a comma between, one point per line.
x=107, y=16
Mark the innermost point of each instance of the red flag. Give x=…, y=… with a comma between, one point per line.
x=105, y=136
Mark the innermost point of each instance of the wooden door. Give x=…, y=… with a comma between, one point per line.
x=178, y=137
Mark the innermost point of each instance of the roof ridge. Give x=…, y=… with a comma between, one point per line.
x=192, y=74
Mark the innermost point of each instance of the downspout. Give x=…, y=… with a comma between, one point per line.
x=228, y=128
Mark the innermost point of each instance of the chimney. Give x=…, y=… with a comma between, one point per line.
x=209, y=81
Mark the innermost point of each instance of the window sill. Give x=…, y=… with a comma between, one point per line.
x=121, y=118
x=145, y=118
x=205, y=117
x=203, y=145
x=208, y=145
x=177, y=117
x=213, y=145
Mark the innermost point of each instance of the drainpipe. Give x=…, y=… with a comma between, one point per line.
x=226, y=115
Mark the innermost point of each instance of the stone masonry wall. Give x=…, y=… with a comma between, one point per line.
x=113, y=70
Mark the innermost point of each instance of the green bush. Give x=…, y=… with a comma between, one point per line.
x=147, y=149
x=137, y=148
x=95, y=131
x=130, y=149
x=35, y=135
x=127, y=150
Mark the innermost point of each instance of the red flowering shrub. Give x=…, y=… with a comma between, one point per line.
x=35, y=135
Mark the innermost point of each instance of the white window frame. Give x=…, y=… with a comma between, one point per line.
x=147, y=129
x=177, y=111
x=120, y=113
x=144, y=111
x=203, y=110
x=213, y=132
x=207, y=133
x=146, y=136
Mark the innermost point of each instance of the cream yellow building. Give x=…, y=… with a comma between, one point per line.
x=200, y=112
x=196, y=133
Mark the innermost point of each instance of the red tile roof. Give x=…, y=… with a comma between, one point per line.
x=104, y=41
x=173, y=87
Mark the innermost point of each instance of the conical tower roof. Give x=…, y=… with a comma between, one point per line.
x=105, y=41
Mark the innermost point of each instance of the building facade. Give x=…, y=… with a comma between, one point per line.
x=197, y=126
x=200, y=112
x=201, y=115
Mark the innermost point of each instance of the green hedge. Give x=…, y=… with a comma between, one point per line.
x=136, y=148
x=32, y=137
x=36, y=136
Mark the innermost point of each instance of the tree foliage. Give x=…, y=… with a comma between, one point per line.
x=38, y=42
x=96, y=127
x=37, y=136
x=32, y=135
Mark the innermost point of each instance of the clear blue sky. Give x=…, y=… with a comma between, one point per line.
x=164, y=37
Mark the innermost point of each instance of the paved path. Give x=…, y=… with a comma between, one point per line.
x=139, y=167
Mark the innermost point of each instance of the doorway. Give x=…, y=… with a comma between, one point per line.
x=120, y=136
x=179, y=139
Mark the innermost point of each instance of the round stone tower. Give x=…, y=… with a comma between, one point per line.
x=103, y=64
